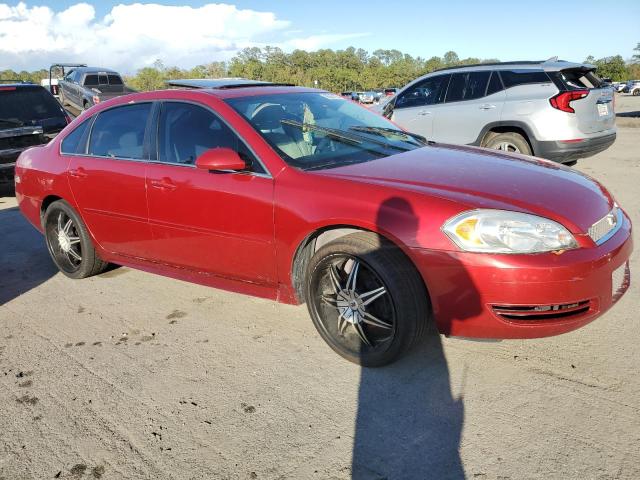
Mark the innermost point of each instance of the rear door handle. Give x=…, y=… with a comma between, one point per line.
x=164, y=184
x=78, y=172
x=424, y=112
x=487, y=106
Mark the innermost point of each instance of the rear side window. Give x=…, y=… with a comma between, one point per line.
x=119, y=132
x=495, y=84
x=76, y=141
x=427, y=92
x=186, y=131
x=513, y=78
x=467, y=86
x=22, y=105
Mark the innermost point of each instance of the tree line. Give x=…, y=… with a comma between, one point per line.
x=334, y=70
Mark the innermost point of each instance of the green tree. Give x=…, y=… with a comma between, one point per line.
x=612, y=67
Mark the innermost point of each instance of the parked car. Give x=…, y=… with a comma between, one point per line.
x=298, y=195
x=390, y=92
x=554, y=109
x=29, y=115
x=632, y=87
x=84, y=87
x=366, y=97
x=618, y=87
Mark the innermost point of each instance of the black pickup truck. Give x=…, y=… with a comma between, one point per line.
x=29, y=116
x=84, y=87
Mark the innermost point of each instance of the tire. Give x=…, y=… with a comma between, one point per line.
x=385, y=323
x=636, y=92
x=72, y=250
x=63, y=101
x=508, y=142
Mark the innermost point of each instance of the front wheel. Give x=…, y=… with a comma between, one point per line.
x=366, y=299
x=69, y=243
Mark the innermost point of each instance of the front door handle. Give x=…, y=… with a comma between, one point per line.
x=78, y=172
x=424, y=112
x=487, y=106
x=163, y=184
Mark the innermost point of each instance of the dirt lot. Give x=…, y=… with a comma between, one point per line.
x=131, y=375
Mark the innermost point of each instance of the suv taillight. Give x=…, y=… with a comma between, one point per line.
x=562, y=101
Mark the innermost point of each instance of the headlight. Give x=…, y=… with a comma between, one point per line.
x=501, y=231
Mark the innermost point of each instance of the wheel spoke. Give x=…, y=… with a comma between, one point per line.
x=67, y=226
x=342, y=322
x=74, y=240
x=353, y=276
x=372, y=295
x=330, y=300
x=59, y=222
x=375, y=321
x=335, y=282
x=74, y=254
x=361, y=333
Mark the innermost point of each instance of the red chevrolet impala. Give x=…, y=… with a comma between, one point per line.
x=297, y=195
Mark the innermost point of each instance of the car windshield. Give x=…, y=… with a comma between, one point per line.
x=315, y=130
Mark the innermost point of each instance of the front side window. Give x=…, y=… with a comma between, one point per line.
x=76, y=141
x=429, y=91
x=119, y=132
x=313, y=130
x=186, y=131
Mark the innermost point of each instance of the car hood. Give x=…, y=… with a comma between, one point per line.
x=481, y=178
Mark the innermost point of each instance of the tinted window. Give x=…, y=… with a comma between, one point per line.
x=76, y=141
x=512, y=78
x=187, y=131
x=427, y=92
x=577, y=79
x=467, y=86
x=91, y=80
x=115, y=80
x=495, y=85
x=119, y=132
x=24, y=104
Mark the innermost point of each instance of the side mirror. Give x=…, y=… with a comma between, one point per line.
x=220, y=159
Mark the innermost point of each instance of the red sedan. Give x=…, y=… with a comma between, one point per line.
x=298, y=195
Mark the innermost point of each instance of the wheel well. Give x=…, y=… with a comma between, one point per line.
x=505, y=129
x=48, y=200
x=312, y=243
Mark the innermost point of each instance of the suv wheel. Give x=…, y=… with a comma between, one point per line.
x=366, y=299
x=636, y=92
x=508, y=142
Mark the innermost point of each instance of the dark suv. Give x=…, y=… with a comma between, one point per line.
x=29, y=115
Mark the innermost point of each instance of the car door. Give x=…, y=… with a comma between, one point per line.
x=107, y=179
x=474, y=99
x=217, y=223
x=416, y=107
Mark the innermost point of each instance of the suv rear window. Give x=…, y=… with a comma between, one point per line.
x=578, y=79
x=24, y=104
x=513, y=78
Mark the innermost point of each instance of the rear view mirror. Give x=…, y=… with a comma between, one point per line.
x=220, y=159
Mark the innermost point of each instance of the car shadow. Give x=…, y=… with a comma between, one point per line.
x=408, y=423
x=628, y=114
x=24, y=260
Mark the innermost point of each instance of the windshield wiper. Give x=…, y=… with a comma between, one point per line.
x=342, y=134
x=17, y=123
x=390, y=132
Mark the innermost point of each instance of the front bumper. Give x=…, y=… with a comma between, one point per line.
x=467, y=290
x=564, y=152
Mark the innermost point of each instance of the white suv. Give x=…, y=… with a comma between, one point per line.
x=553, y=109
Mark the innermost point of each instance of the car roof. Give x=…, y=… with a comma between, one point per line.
x=94, y=70
x=550, y=65
x=221, y=83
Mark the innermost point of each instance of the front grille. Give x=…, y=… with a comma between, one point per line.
x=541, y=312
x=601, y=230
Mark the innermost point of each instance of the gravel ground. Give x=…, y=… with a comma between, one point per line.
x=136, y=376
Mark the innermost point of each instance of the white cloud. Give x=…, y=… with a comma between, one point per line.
x=135, y=35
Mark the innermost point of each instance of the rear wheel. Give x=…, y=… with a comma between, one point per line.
x=508, y=142
x=69, y=243
x=636, y=92
x=366, y=299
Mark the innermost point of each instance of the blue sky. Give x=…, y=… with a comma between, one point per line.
x=506, y=30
